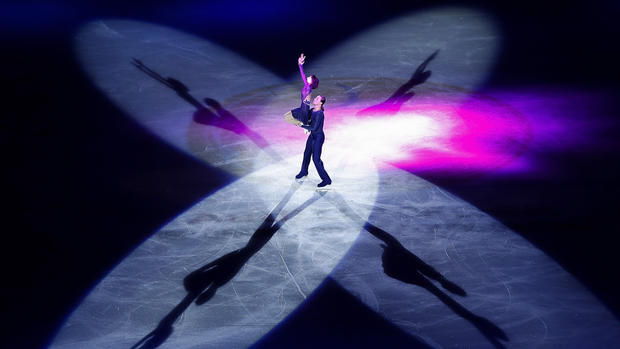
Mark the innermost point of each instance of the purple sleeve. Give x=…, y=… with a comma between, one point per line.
x=303, y=76
x=306, y=90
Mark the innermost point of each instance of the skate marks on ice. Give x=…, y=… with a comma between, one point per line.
x=451, y=275
x=226, y=110
x=227, y=270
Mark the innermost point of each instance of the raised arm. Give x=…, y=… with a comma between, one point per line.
x=300, y=61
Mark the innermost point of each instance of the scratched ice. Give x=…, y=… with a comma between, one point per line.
x=310, y=239
x=510, y=284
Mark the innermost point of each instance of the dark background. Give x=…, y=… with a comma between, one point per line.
x=84, y=184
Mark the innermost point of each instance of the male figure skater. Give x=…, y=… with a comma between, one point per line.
x=314, y=144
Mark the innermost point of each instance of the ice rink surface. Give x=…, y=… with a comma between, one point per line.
x=432, y=264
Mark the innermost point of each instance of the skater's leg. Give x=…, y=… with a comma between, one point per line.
x=317, y=148
x=307, y=154
x=300, y=115
x=304, y=117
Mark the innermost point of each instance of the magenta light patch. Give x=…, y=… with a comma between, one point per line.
x=500, y=132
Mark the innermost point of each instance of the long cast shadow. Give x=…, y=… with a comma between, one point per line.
x=401, y=264
x=211, y=113
x=202, y=283
x=393, y=104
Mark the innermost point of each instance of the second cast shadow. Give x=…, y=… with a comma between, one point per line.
x=403, y=265
x=202, y=283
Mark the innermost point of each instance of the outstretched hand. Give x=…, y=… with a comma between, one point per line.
x=301, y=60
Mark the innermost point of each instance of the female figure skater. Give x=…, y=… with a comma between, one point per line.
x=299, y=116
x=314, y=144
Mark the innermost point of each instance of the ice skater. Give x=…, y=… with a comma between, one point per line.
x=299, y=116
x=314, y=144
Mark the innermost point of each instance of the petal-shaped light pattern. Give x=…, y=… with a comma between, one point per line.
x=255, y=249
x=425, y=260
x=417, y=111
x=467, y=42
x=454, y=276
x=228, y=111
x=161, y=77
x=267, y=240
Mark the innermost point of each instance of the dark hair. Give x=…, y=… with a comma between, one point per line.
x=315, y=82
x=323, y=100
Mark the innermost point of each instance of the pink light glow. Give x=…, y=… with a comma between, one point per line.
x=495, y=132
x=447, y=132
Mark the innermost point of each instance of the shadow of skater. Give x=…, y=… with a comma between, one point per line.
x=393, y=104
x=215, y=115
x=401, y=264
x=202, y=283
